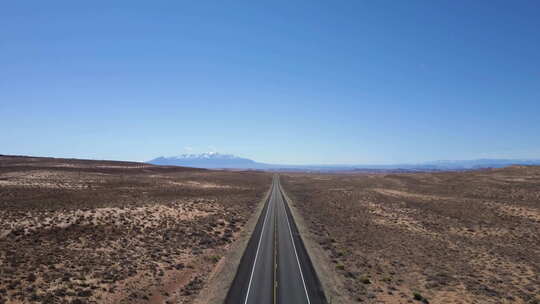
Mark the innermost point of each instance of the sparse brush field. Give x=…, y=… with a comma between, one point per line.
x=454, y=237
x=75, y=231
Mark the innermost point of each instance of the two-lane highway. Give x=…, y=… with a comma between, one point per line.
x=275, y=267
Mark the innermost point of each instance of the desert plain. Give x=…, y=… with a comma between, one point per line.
x=440, y=237
x=81, y=231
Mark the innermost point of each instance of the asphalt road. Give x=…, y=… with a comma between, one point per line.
x=275, y=267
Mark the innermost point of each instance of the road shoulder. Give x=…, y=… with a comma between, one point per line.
x=332, y=285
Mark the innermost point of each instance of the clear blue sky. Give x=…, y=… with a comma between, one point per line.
x=277, y=81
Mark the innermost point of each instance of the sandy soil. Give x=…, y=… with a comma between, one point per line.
x=115, y=232
x=454, y=237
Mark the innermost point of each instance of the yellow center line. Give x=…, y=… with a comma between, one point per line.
x=275, y=259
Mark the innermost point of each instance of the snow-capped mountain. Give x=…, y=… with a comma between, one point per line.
x=205, y=155
x=209, y=160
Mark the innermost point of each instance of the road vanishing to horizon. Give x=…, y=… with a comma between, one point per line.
x=249, y=152
x=276, y=267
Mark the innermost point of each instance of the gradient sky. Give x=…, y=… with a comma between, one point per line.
x=296, y=82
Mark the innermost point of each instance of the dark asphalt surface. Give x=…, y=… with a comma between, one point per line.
x=275, y=267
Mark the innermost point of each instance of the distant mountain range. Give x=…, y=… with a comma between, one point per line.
x=214, y=160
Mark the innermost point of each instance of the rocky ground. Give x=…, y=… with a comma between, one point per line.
x=75, y=231
x=453, y=237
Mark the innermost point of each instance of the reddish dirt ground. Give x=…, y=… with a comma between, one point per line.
x=80, y=231
x=453, y=237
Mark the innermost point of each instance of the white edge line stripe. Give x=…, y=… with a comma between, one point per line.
x=294, y=246
x=258, y=247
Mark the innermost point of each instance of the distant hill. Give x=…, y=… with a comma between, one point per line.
x=478, y=163
x=214, y=160
x=209, y=160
